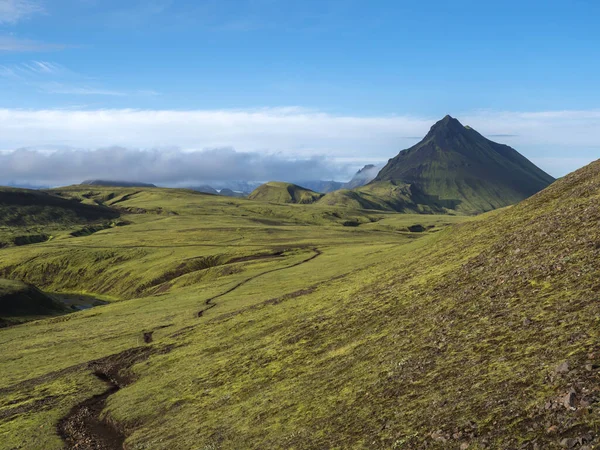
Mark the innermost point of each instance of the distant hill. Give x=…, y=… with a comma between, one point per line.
x=362, y=177
x=114, y=183
x=231, y=193
x=385, y=195
x=19, y=300
x=241, y=189
x=279, y=192
x=204, y=188
x=24, y=207
x=457, y=168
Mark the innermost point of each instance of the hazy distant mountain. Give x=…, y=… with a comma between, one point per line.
x=236, y=186
x=115, y=183
x=230, y=193
x=362, y=177
x=320, y=185
x=28, y=186
x=204, y=188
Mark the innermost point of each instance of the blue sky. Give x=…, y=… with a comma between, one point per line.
x=507, y=67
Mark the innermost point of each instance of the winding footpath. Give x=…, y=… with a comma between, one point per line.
x=83, y=428
x=210, y=302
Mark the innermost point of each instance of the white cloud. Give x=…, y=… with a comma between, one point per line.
x=33, y=70
x=570, y=129
x=560, y=141
x=12, y=11
x=54, y=78
x=45, y=67
x=59, y=88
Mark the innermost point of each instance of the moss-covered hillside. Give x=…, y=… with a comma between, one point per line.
x=278, y=192
x=20, y=302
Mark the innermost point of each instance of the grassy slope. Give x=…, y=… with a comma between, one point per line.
x=19, y=302
x=384, y=196
x=279, y=192
x=387, y=341
x=24, y=207
x=28, y=216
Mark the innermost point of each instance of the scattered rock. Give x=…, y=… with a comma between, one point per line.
x=562, y=368
x=438, y=436
x=568, y=443
x=148, y=337
x=552, y=430
x=464, y=446
x=568, y=400
x=527, y=321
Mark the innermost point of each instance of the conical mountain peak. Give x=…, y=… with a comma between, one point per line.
x=457, y=166
x=448, y=125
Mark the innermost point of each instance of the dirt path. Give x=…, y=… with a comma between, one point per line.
x=210, y=302
x=83, y=428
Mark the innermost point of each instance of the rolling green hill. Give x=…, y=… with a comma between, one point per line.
x=29, y=217
x=459, y=168
x=24, y=207
x=279, y=192
x=243, y=324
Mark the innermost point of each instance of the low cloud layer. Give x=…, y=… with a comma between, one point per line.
x=367, y=173
x=168, y=167
x=166, y=146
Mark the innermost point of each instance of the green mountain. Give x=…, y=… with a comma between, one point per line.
x=279, y=192
x=457, y=168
